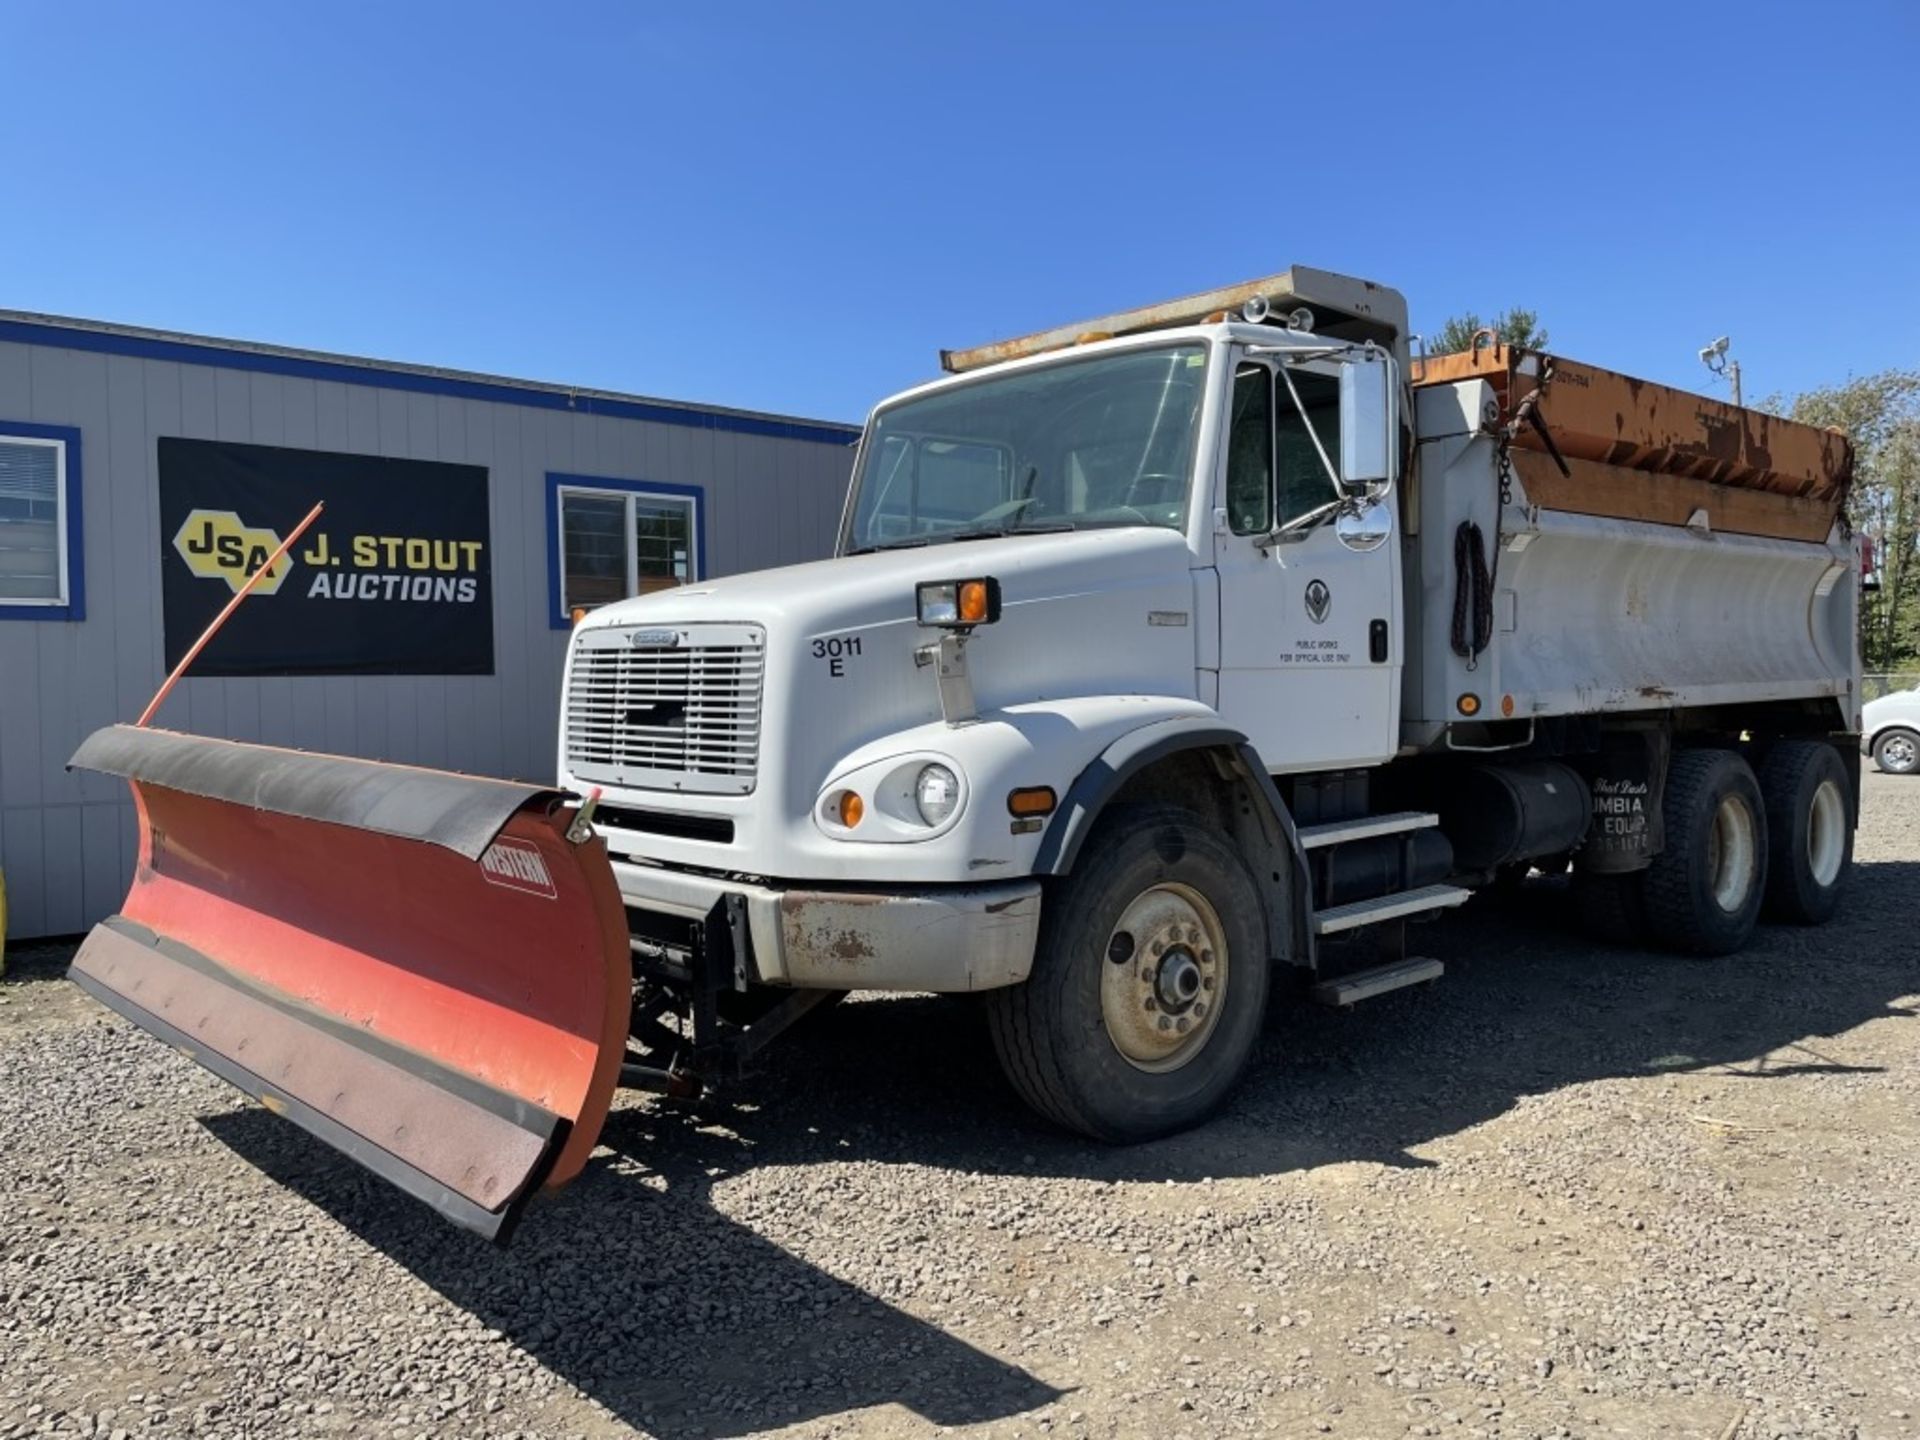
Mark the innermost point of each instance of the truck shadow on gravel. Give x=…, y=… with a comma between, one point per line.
x=676, y=1319
x=681, y=1321
x=1527, y=1005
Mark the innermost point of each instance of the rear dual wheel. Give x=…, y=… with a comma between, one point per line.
x=1149, y=983
x=1704, y=889
x=1810, y=824
x=1740, y=845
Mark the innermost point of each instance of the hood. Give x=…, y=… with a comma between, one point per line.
x=876, y=587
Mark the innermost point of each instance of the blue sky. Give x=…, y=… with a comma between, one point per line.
x=792, y=207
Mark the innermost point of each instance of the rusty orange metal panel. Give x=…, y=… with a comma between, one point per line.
x=1593, y=488
x=1188, y=310
x=1614, y=419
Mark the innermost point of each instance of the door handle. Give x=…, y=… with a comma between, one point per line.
x=1377, y=642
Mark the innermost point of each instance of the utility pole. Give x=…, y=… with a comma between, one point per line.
x=1714, y=357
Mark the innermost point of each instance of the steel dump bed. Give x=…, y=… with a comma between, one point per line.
x=1639, y=548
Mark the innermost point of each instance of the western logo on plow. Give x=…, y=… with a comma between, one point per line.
x=516, y=865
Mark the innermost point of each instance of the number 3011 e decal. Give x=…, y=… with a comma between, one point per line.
x=834, y=649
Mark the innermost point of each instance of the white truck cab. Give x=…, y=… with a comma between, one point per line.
x=1171, y=652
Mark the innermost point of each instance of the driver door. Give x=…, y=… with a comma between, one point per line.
x=1309, y=630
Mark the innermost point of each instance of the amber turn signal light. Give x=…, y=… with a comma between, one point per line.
x=852, y=808
x=1033, y=800
x=1468, y=704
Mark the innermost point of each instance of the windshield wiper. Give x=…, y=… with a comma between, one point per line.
x=1039, y=527
x=954, y=537
x=900, y=542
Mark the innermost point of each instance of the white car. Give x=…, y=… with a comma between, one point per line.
x=1890, y=731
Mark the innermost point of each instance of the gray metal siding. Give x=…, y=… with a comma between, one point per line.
x=67, y=840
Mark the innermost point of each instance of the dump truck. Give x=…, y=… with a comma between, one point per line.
x=1169, y=664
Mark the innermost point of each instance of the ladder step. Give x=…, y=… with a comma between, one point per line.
x=1365, y=828
x=1365, y=984
x=1387, y=907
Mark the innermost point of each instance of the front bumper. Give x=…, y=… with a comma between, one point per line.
x=938, y=938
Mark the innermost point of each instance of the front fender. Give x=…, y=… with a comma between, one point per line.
x=1262, y=827
x=1110, y=770
x=1052, y=742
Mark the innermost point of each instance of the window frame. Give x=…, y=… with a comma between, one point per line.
x=560, y=485
x=1271, y=387
x=71, y=603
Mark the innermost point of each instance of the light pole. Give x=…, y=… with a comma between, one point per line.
x=1714, y=357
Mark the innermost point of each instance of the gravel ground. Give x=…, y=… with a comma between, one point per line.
x=1569, y=1191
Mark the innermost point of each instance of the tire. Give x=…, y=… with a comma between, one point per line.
x=1810, y=823
x=1897, y=751
x=1703, y=891
x=1059, y=1035
x=1612, y=908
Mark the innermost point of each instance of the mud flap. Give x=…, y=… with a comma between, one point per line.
x=417, y=967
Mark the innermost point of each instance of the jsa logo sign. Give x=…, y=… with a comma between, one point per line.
x=218, y=545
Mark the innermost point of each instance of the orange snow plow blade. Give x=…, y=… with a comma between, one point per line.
x=419, y=968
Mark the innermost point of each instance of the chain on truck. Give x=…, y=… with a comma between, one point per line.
x=1169, y=664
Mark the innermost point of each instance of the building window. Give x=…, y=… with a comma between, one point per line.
x=612, y=539
x=40, y=557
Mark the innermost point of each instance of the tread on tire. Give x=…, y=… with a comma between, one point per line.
x=1049, y=1032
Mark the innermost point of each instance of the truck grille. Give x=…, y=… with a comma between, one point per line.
x=667, y=707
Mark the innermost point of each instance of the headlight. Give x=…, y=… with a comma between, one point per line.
x=936, y=792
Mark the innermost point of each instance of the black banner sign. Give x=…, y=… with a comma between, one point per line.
x=394, y=578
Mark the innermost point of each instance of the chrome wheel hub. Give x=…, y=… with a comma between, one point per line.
x=1899, y=753
x=1165, y=977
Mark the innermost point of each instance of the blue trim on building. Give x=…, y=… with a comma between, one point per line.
x=556, y=480
x=76, y=606
x=144, y=347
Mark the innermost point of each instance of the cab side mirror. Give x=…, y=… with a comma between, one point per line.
x=1369, y=424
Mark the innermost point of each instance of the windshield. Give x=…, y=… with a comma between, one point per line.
x=1103, y=441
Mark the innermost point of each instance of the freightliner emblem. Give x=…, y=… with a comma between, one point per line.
x=1319, y=601
x=655, y=639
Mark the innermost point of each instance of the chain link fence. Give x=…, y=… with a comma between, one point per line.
x=1872, y=687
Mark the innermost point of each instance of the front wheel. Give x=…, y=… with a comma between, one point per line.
x=1149, y=985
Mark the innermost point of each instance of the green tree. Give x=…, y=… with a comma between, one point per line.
x=1881, y=414
x=1515, y=327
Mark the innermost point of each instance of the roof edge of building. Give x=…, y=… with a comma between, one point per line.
x=142, y=342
